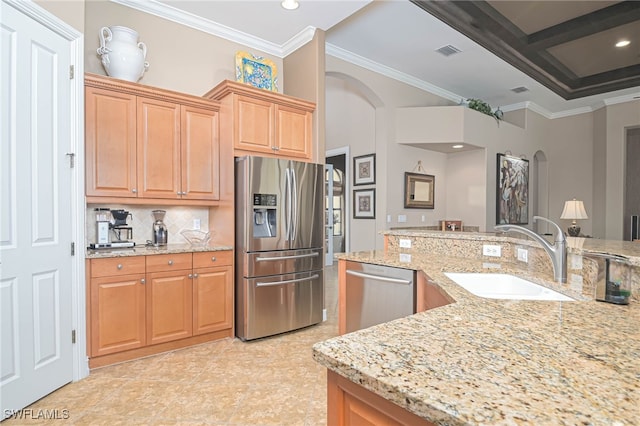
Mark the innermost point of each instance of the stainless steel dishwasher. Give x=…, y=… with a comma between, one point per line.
x=377, y=294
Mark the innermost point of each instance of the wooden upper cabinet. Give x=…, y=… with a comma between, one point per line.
x=159, y=168
x=255, y=121
x=149, y=144
x=263, y=122
x=110, y=143
x=294, y=131
x=200, y=154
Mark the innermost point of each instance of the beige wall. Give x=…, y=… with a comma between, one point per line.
x=620, y=117
x=466, y=187
x=70, y=11
x=307, y=66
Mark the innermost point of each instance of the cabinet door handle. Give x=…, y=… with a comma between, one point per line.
x=134, y=190
x=119, y=266
x=190, y=275
x=170, y=262
x=195, y=275
x=143, y=281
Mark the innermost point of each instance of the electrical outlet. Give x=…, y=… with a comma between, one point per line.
x=424, y=218
x=523, y=255
x=490, y=250
x=196, y=223
x=575, y=261
x=405, y=258
x=388, y=218
x=402, y=218
x=405, y=243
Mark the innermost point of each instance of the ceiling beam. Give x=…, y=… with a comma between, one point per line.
x=600, y=20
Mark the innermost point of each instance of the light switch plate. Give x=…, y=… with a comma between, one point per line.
x=405, y=258
x=402, y=218
x=196, y=223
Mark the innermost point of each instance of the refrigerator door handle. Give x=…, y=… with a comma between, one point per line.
x=287, y=204
x=378, y=277
x=297, y=256
x=297, y=280
x=294, y=204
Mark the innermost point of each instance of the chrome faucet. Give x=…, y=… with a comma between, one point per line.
x=557, y=252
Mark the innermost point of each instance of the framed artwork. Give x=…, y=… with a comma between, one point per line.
x=512, y=190
x=256, y=71
x=419, y=191
x=364, y=169
x=364, y=204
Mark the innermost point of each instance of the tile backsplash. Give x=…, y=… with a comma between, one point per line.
x=141, y=220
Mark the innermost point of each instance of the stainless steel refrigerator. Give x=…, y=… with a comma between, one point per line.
x=279, y=245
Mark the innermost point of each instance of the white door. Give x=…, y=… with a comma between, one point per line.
x=35, y=210
x=328, y=221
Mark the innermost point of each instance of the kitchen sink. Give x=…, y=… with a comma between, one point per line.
x=504, y=286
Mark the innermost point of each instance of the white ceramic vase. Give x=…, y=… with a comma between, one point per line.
x=122, y=55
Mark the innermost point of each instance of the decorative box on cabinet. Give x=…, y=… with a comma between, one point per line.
x=147, y=145
x=141, y=305
x=268, y=123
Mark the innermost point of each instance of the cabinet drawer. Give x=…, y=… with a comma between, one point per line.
x=207, y=259
x=117, y=266
x=168, y=262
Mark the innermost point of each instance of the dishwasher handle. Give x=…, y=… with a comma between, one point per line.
x=296, y=280
x=378, y=277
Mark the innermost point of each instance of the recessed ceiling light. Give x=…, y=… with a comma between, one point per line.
x=290, y=4
x=623, y=43
x=457, y=146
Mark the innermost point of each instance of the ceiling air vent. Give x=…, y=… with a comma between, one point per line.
x=519, y=89
x=448, y=50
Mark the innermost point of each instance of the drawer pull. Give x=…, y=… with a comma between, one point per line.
x=213, y=258
x=170, y=262
x=143, y=281
x=119, y=266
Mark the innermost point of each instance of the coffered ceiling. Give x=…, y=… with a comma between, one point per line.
x=568, y=46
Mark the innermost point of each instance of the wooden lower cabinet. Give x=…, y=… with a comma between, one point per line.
x=212, y=299
x=349, y=404
x=169, y=306
x=142, y=305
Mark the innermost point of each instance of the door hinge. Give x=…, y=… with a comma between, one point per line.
x=73, y=336
x=73, y=249
x=72, y=72
x=72, y=159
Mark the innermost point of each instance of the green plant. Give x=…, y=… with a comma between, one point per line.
x=482, y=107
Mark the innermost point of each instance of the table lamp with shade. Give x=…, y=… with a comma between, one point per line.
x=574, y=210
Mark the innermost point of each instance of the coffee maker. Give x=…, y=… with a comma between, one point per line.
x=112, y=222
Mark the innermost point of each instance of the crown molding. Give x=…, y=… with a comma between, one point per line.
x=190, y=20
x=165, y=11
x=351, y=57
x=39, y=14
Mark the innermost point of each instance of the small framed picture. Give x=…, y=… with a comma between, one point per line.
x=364, y=169
x=364, y=204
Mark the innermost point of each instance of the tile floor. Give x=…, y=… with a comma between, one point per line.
x=271, y=381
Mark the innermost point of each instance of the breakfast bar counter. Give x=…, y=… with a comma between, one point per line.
x=487, y=361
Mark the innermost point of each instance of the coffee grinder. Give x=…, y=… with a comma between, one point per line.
x=160, y=232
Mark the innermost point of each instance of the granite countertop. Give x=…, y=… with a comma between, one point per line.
x=143, y=250
x=484, y=361
x=575, y=245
